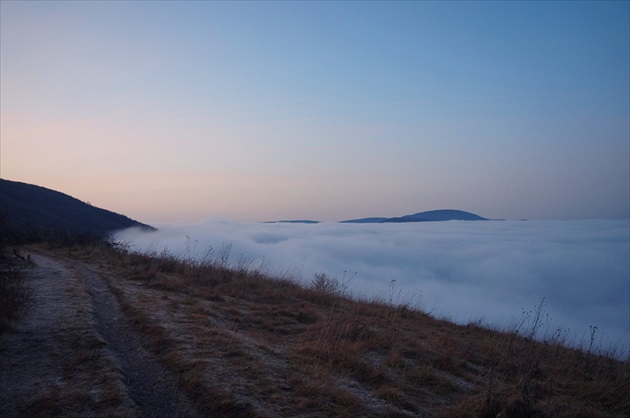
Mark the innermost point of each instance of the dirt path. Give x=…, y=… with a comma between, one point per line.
x=75, y=354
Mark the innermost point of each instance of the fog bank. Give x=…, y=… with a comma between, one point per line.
x=491, y=271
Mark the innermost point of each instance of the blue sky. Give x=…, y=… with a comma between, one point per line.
x=274, y=110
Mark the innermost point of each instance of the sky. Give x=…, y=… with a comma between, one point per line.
x=256, y=111
x=493, y=272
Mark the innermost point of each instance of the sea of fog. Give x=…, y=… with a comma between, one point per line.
x=493, y=272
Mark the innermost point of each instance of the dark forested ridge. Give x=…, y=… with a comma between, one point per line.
x=33, y=211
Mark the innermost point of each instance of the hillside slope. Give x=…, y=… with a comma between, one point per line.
x=232, y=342
x=35, y=211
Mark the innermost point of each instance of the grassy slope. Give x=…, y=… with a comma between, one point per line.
x=246, y=344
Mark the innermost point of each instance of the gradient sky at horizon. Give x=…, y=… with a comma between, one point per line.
x=258, y=111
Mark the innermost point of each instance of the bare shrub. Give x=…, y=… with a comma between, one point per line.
x=326, y=284
x=15, y=294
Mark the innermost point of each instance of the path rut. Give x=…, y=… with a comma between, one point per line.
x=151, y=386
x=74, y=309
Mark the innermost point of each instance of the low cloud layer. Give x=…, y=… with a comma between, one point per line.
x=495, y=271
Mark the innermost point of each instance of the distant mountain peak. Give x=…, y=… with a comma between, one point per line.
x=293, y=221
x=428, y=216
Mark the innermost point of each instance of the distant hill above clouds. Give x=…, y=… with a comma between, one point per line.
x=429, y=216
x=296, y=221
x=37, y=211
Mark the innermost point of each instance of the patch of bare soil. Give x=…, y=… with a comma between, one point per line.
x=74, y=354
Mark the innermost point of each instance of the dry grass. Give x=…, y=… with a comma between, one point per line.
x=244, y=343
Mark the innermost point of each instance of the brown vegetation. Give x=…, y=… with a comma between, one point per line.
x=14, y=292
x=244, y=343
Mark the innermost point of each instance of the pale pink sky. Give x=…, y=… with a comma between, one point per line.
x=329, y=111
